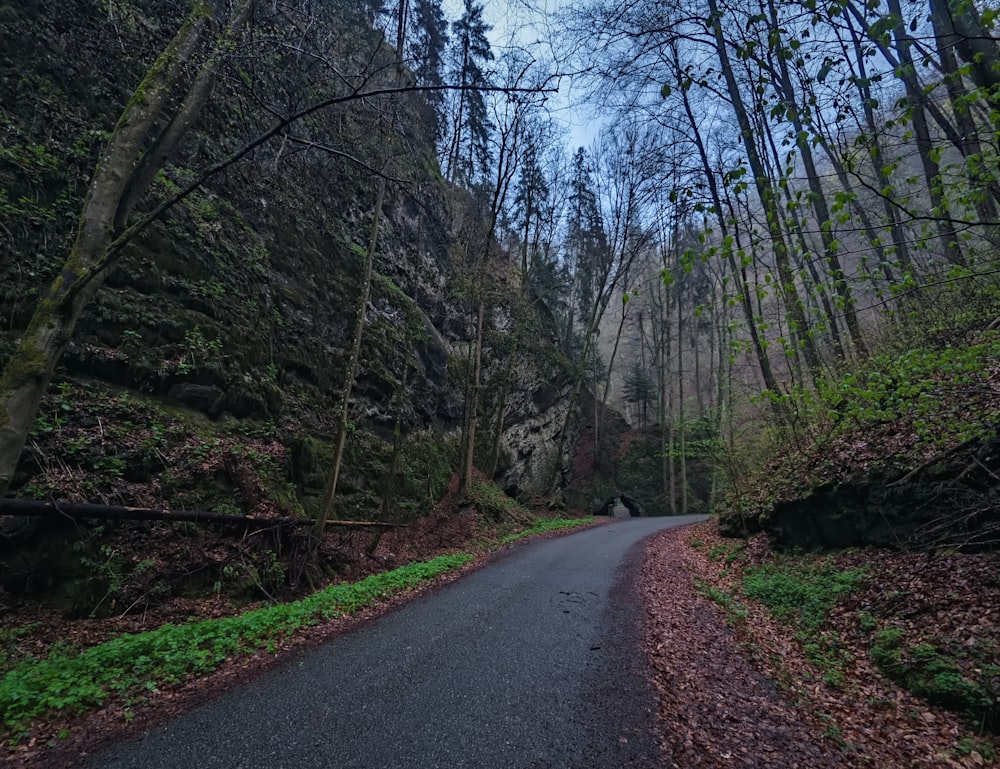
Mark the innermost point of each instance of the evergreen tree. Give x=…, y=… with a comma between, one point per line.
x=469, y=151
x=427, y=44
x=530, y=199
x=640, y=389
x=586, y=239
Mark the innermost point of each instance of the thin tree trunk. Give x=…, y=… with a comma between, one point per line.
x=871, y=231
x=477, y=370
x=878, y=163
x=722, y=385
x=786, y=275
x=456, y=137
x=681, y=427
x=83, y=510
x=581, y=375
x=906, y=71
x=599, y=424
x=662, y=413
x=819, y=204
x=944, y=31
x=389, y=488
x=667, y=424
x=739, y=273
x=508, y=382
x=330, y=494
x=974, y=43
x=817, y=291
x=698, y=394
x=932, y=170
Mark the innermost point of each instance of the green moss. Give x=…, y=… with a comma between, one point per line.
x=26, y=365
x=930, y=673
x=493, y=503
x=154, y=78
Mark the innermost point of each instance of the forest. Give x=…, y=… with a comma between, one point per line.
x=296, y=295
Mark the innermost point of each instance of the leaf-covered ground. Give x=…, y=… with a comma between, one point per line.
x=741, y=688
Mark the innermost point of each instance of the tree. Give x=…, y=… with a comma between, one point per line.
x=640, y=389
x=586, y=245
x=427, y=44
x=601, y=268
x=509, y=110
x=470, y=130
x=530, y=200
x=791, y=108
x=772, y=215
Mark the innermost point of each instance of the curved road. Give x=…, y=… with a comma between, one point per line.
x=534, y=661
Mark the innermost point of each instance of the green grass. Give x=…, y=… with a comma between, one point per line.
x=547, y=524
x=800, y=594
x=131, y=665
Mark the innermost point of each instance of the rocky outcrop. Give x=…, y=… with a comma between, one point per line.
x=531, y=435
x=950, y=502
x=240, y=303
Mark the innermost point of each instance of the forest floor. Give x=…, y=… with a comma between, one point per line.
x=741, y=688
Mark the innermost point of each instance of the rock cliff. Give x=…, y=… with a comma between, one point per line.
x=208, y=369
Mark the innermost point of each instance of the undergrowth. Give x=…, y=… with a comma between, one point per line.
x=802, y=594
x=493, y=502
x=931, y=673
x=543, y=525
x=131, y=666
x=926, y=387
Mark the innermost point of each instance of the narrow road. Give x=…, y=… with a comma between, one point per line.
x=534, y=661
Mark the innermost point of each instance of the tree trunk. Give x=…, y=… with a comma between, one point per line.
x=878, y=163
x=470, y=438
x=599, y=422
x=727, y=242
x=819, y=204
x=944, y=31
x=964, y=29
x=786, y=275
x=83, y=510
x=906, y=71
x=817, y=291
x=330, y=494
x=681, y=427
x=947, y=236
x=508, y=382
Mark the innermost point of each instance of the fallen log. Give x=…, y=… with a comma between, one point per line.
x=34, y=507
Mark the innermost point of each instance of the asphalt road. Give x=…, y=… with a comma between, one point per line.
x=533, y=661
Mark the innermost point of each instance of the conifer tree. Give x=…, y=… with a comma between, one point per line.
x=469, y=150
x=427, y=43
